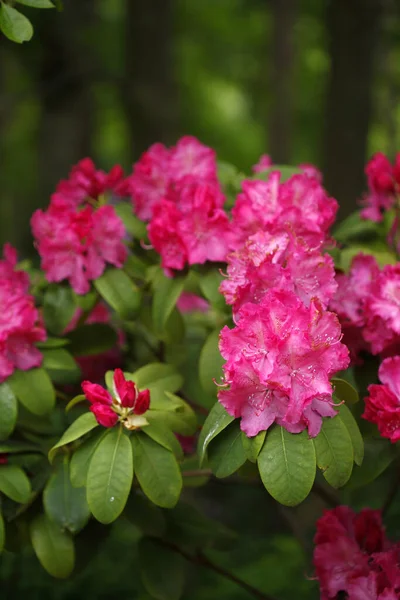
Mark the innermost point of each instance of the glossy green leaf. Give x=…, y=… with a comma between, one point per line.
x=14, y=483
x=110, y=475
x=343, y=390
x=226, y=453
x=77, y=400
x=287, y=465
x=76, y=430
x=181, y=419
x=8, y=411
x=133, y=225
x=82, y=456
x=378, y=455
x=216, y=422
x=2, y=533
x=93, y=338
x=119, y=291
x=160, y=375
x=59, y=359
x=59, y=307
x=64, y=504
x=355, y=434
x=34, y=390
x=53, y=547
x=334, y=451
x=145, y=515
x=14, y=24
x=354, y=227
x=162, y=570
x=210, y=364
x=157, y=471
x=36, y=3
x=164, y=436
x=252, y=445
x=52, y=342
x=165, y=295
x=209, y=284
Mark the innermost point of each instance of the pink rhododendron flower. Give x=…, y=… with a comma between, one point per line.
x=278, y=260
x=191, y=159
x=382, y=406
x=20, y=323
x=311, y=171
x=384, y=183
x=264, y=163
x=353, y=556
x=75, y=242
x=126, y=404
x=279, y=360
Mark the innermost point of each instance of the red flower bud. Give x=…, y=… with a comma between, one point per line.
x=142, y=402
x=96, y=394
x=105, y=415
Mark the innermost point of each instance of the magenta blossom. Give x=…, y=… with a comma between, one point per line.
x=279, y=360
x=382, y=406
x=125, y=405
x=383, y=183
x=20, y=323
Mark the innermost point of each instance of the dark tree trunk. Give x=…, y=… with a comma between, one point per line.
x=280, y=127
x=150, y=92
x=353, y=30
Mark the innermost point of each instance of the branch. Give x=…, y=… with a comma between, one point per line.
x=202, y=561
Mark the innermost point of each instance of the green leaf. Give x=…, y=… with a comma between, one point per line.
x=354, y=227
x=343, y=390
x=209, y=285
x=2, y=533
x=287, y=465
x=77, y=400
x=52, y=342
x=378, y=455
x=165, y=295
x=252, y=445
x=145, y=515
x=334, y=451
x=119, y=291
x=133, y=225
x=354, y=432
x=226, y=453
x=36, y=3
x=82, y=456
x=181, y=419
x=15, y=25
x=164, y=436
x=64, y=504
x=93, y=338
x=34, y=390
x=110, y=475
x=216, y=422
x=59, y=307
x=164, y=377
x=53, y=547
x=76, y=430
x=16, y=447
x=157, y=471
x=8, y=411
x=210, y=364
x=162, y=570
x=59, y=359
x=14, y=483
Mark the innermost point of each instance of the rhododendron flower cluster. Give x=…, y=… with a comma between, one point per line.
x=78, y=235
x=125, y=405
x=280, y=358
x=382, y=406
x=367, y=304
x=20, y=323
x=384, y=185
x=353, y=556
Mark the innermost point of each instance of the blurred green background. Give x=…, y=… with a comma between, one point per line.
x=303, y=80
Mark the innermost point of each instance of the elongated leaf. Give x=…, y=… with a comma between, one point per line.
x=15, y=25
x=165, y=377
x=76, y=430
x=379, y=454
x=133, y=225
x=119, y=291
x=2, y=533
x=226, y=453
x=64, y=504
x=164, y=436
x=59, y=307
x=210, y=364
x=209, y=285
x=182, y=419
x=34, y=390
x=77, y=400
x=16, y=447
x=345, y=391
x=252, y=445
x=287, y=465
x=52, y=342
x=162, y=570
x=59, y=359
x=166, y=293
x=334, y=451
x=354, y=227
x=216, y=422
x=93, y=338
x=14, y=483
x=110, y=475
x=53, y=547
x=8, y=411
x=82, y=456
x=37, y=3
x=355, y=434
x=157, y=471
